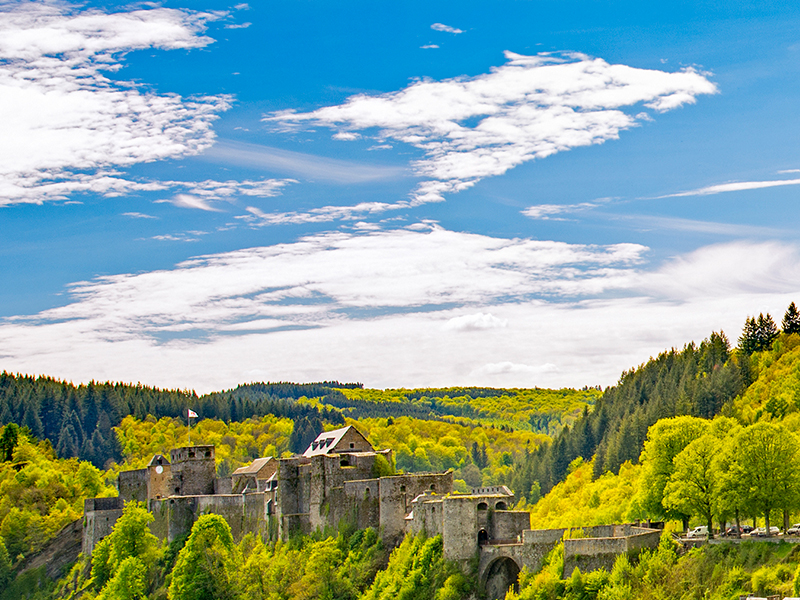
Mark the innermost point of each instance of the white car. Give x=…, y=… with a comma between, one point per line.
x=698, y=532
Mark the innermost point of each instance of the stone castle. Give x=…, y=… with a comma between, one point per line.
x=339, y=479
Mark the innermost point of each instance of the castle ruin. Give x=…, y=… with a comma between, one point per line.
x=340, y=479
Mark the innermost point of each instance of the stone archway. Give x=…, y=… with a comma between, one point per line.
x=501, y=574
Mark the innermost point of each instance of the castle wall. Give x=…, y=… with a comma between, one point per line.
x=193, y=471
x=428, y=516
x=99, y=517
x=593, y=553
x=132, y=485
x=174, y=517
x=460, y=527
x=361, y=501
x=292, y=496
x=158, y=483
x=509, y=524
x=396, y=494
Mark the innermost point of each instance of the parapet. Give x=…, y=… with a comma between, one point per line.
x=188, y=453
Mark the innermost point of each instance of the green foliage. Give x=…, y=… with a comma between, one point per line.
x=6, y=574
x=580, y=501
x=666, y=439
x=8, y=441
x=130, y=538
x=128, y=582
x=417, y=570
x=237, y=443
x=776, y=390
x=40, y=494
x=542, y=410
x=206, y=566
x=791, y=320
x=758, y=334
x=430, y=445
x=698, y=380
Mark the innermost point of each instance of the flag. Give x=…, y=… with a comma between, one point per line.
x=192, y=414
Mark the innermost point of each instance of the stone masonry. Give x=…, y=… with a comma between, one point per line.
x=342, y=479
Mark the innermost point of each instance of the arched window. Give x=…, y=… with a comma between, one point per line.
x=500, y=506
x=483, y=506
x=483, y=537
x=433, y=487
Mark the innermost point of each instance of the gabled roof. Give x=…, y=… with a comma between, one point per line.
x=158, y=459
x=254, y=467
x=327, y=441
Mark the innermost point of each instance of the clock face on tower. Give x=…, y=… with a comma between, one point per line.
x=159, y=469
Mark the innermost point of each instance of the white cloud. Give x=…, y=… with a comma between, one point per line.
x=65, y=123
x=736, y=186
x=476, y=322
x=138, y=215
x=346, y=136
x=189, y=201
x=470, y=128
x=429, y=46
x=238, y=26
x=545, y=212
x=446, y=28
x=577, y=315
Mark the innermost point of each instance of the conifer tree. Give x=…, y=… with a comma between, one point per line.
x=791, y=320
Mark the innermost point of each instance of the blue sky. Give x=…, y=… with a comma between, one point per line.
x=201, y=194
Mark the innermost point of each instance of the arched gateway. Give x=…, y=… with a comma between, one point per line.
x=501, y=574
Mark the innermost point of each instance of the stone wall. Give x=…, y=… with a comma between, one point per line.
x=132, y=485
x=175, y=516
x=396, y=494
x=509, y=524
x=99, y=517
x=159, y=478
x=589, y=554
x=193, y=470
x=460, y=527
x=428, y=516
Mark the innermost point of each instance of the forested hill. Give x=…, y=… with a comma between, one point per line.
x=698, y=380
x=79, y=419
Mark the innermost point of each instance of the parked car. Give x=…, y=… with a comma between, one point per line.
x=732, y=532
x=762, y=532
x=697, y=532
x=794, y=529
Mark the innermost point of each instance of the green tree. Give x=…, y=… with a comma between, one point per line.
x=128, y=583
x=130, y=537
x=6, y=574
x=766, y=454
x=8, y=441
x=691, y=488
x=665, y=440
x=206, y=566
x=791, y=320
x=758, y=334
